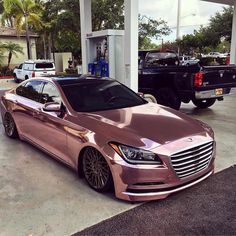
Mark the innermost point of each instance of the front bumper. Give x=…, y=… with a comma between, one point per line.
x=162, y=193
x=152, y=182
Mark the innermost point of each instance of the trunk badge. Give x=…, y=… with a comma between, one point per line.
x=189, y=140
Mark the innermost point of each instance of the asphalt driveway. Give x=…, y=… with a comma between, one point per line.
x=208, y=208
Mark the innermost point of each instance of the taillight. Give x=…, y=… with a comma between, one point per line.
x=198, y=79
x=33, y=74
x=227, y=61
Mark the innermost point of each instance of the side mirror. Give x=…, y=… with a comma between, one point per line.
x=52, y=107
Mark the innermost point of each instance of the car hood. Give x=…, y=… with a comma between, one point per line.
x=148, y=125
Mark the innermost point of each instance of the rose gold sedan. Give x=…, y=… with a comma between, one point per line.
x=110, y=135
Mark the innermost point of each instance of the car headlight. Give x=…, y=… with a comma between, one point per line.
x=135, y=155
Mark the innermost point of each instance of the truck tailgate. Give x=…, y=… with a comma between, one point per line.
x=219, y=77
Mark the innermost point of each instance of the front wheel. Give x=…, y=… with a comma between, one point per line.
x=16, y=79
x=96, y=170
x=167, y=97
x=10, y=126
x=204, y=103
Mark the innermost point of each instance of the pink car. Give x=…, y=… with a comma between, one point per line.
x=110, y=135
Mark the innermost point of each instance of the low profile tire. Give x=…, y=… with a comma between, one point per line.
x=150, y=98
x=204, y=103
x=96, y=170
x=10, y=126
x=167, y=97
x=16, y=79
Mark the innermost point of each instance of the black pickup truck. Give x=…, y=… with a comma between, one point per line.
x=161, y=75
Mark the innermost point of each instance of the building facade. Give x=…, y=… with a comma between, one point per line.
x=10, y=35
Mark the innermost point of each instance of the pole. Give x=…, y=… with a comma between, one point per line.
x=178, y=19
x=233, y=39
x=178, y=23
x=27, y=36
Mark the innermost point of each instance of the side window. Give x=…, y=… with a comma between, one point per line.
x=28, y=66
x=32, y=89
x=50, y=94
x=20, y=90
x=20, y=66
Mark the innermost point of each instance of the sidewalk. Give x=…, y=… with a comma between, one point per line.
x=6, y=84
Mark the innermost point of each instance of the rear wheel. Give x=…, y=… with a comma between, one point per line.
x=10, y=126
x=96, y=170
x=167, y=97
x=205, y=103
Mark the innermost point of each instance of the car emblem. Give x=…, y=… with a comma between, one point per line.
x=221, y=73
x=189, y=140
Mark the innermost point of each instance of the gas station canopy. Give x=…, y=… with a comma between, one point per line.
x=227, y=2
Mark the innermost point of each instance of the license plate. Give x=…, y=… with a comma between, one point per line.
x=219, y=91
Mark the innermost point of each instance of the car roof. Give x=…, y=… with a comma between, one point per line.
x=39, y=61
x=76, y=79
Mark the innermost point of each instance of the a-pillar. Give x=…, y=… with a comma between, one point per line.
x=233, y=38
x=86, y=28
x=131, y=44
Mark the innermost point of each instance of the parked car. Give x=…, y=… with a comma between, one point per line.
x=110, y=135
x=161, y=75
x=187, y=60
x=215, y=54
x=33, y=68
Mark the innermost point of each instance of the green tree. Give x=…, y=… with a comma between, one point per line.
x=208, y=38
x=26, y=15
x=112, y=16
x=150, y=28
x=12, y=49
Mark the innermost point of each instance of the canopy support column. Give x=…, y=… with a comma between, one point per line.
x=86, y=28
x=131, y=44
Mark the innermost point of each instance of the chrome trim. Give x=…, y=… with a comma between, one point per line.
x=180, y=154
x=193, y=159
x=190, y=156
x=170, y=191
x=202, y=161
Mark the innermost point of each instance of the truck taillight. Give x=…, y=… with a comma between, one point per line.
x=198, y=79
x=33, y=74
x=227, y=61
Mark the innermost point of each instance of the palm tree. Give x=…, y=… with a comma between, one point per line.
x=26, y=13
x=13, y=49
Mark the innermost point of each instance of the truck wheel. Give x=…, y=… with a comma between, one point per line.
x=204, y=103
x=167, y=97
x=16, y=79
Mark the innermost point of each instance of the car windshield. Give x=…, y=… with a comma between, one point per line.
x=161, y=59
x=99, y=95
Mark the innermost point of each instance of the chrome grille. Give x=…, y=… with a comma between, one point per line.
x=193, y=160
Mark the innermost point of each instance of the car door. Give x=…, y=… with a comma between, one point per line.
x=19, y=72
x=51, y=125
x=26, y=104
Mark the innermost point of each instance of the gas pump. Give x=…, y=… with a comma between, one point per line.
x=105, y=53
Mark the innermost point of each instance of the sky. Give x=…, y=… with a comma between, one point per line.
x=193, y=14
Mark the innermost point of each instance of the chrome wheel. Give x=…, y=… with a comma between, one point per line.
x=96, y=170
x=10, y=127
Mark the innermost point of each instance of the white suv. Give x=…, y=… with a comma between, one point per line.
x=33, y=68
